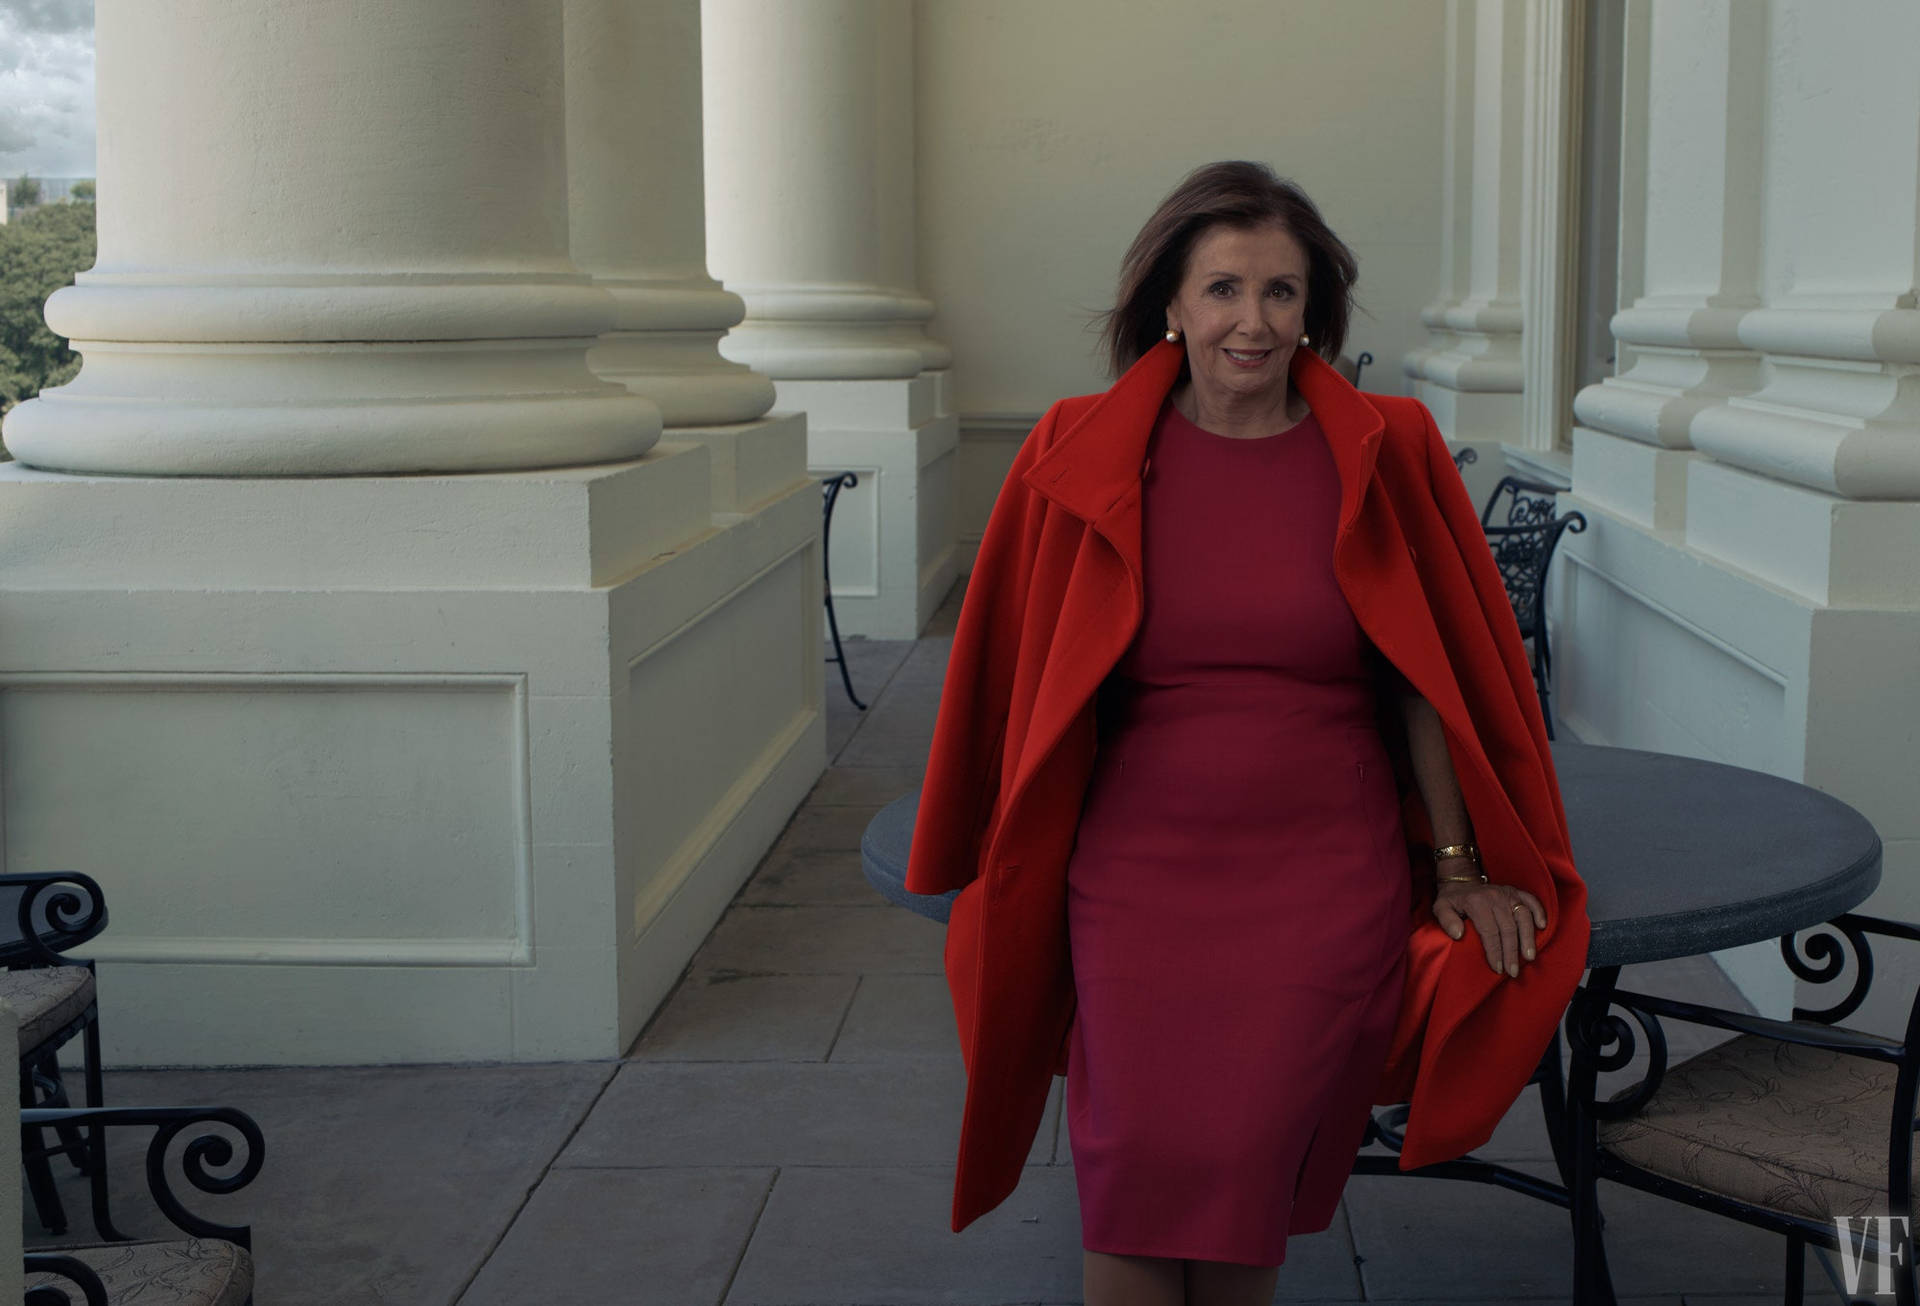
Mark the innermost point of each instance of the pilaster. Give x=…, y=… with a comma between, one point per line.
x=1471, y=373
x=1746, y=589
x=460, y=764
x=296, y=295
x=810, y=184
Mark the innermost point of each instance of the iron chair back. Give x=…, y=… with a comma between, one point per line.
x=1523, y=530
x=41, y=916
x=1602, y=1041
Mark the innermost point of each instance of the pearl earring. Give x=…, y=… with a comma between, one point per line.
x=1172, y=335
x=1304, y=340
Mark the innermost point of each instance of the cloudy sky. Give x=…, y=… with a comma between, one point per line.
x=46, y=88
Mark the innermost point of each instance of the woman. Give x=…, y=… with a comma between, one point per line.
x=1213, y=757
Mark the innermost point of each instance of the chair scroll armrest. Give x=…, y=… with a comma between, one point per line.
x=1805, y=1033
x=209, y=1160
x=57, y=910
x=78, y=1273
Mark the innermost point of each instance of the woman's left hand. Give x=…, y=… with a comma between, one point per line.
x=1505, y=916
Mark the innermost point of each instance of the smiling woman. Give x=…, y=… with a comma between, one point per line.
x=1242, y=307
x=1193, y=637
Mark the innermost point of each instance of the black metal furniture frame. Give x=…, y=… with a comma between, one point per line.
x=58, y=910
x=830, y=493
x=1388, y=1128
x=1523, y=548
x=1602, y=1040
x=209, y=1162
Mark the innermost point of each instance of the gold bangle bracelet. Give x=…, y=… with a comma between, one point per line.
x=1457, y=850
x=1460, y=879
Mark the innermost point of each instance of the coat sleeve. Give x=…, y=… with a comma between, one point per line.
x=1484, y=1034
x=958, y=796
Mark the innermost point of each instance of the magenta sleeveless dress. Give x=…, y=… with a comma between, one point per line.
x=1238, y=891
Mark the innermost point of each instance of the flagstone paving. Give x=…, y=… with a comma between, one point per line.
x=782, y=1132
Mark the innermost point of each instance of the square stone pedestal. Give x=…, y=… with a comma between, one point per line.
x=894, y=534
x=1715, y=613
x=408, y=768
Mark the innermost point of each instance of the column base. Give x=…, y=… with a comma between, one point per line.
x=1473, y=416
x=894, y=540
x=404, y=770
x=1644, y=483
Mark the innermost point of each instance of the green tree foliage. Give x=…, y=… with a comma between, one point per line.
x=40, y=251
x=82, y=192
x=23, y=192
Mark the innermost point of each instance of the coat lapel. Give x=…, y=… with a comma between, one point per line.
x=1093, y=470
x=1095, y=464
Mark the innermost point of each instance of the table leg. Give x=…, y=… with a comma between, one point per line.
x=1552, y=1082
x=1592, y=1284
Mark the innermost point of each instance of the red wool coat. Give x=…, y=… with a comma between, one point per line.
x=1055, y=599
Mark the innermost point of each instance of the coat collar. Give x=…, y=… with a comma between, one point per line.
x=1094, y=464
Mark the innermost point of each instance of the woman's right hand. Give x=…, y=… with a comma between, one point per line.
x=1507, y=918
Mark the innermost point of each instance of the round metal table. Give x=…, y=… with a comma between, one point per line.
x=1680, y=856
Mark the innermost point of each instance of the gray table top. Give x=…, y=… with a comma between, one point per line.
x=1680, y=856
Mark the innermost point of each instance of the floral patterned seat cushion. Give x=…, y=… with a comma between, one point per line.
x=45, y=998
x=1794, y=1129
x=186, y=1272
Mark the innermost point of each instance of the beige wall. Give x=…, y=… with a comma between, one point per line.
x=1048, y=130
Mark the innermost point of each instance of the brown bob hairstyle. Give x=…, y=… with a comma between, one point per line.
x=1233, y=194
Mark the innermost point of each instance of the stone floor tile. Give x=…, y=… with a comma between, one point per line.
x=1440, y=1239
x=810, y=879
x=820, y=828
x=774, y=1113
x=927, y=663
x=883, y=1237
x=944, y=618
x=380, y=1184
x=645, y=1237
x=894, y=745
x=871, y=662
x=1404, y=1229
x=906, y=703
x=1047, y=1136
x=822, y=941
x=899, y=1016
x=1669, y=1300
x=1657, y=1245
x=748, y=1018
x=1521, y=1134
x=865, y=786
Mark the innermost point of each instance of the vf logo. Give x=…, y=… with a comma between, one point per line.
x=1890, y=1250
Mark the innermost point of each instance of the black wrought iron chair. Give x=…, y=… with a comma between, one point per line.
x=1464, y=457
x=54, y=996
x=830, y=494
x=1523, y=531
x=211, y=1266
x=1791, y=1126
x=1388, y=1127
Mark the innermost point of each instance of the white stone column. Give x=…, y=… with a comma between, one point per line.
x=282, y=292
x=1747, y=588
x=1550, y=225
x=1692, y=139
x=636, y=203
x=1470, y=375
x=809, y=158
x=452, y=765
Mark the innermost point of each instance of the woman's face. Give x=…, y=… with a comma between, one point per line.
x=1240, y=308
